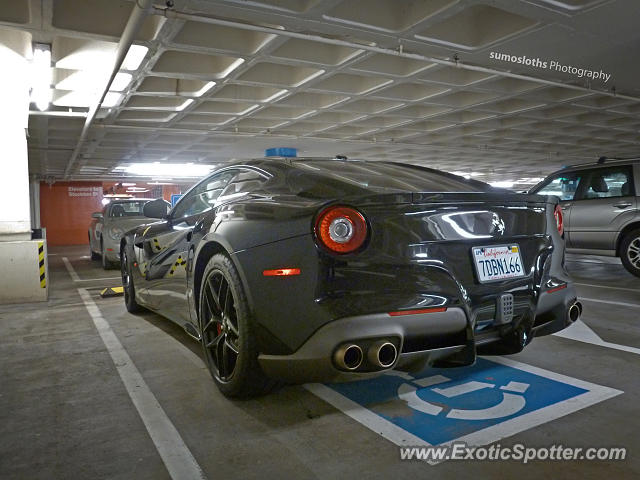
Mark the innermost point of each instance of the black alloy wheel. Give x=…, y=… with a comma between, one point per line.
x=227, y=332
x=127, y=285
x=220, y=330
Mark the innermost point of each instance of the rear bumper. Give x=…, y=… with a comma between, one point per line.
x=440, y=336
x=313, y=361
x=112, y=249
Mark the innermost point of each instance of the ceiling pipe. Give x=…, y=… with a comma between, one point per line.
x=175, y=14
x=141, y=9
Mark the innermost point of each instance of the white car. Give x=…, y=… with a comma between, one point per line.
x=108, y=226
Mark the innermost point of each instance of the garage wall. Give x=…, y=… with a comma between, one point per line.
x=66, y=208
x=168, y=190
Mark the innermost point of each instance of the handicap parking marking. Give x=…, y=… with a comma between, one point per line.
x=481, y=404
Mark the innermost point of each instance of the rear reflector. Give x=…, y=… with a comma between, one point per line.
x=281, y=272
x=417, y=312
x=558, y=288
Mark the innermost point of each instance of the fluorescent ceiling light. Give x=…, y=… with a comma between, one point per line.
x=317, y=74
x=530, y=180
x=134, y=57
x=120, y=82
x=128, y=184
x=467, y=175
x=276, y=95
x=185, y=104
x=157, y=169
x=503, y=184
x=232, y=67
x=111, y=99
x=207, y=86
x=41, y=76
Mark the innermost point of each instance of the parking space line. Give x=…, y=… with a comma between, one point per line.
x=581, y=332
x=97, y=279
x=611, y=302
x=72, y=273
x=174, y=453
x=605, y=286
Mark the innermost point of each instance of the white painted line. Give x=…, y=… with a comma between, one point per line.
x=510, y=405
x=365, y=416
x=636, y=290
x=518, y=387
x=462, y=388
x=611, y=302
x=428, y=381
x=174, y=453
x=581, y=332
x=98, y=279
x=72, y=273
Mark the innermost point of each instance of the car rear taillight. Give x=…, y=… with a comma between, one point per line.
x=559, y=219
x=341, y=229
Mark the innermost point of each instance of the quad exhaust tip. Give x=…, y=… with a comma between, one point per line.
x=349, y=356
x=382, y=354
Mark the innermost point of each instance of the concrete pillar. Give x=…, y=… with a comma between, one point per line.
x=22, y=261
x=15, y=49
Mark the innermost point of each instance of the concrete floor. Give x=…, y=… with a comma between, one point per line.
x=65, y=413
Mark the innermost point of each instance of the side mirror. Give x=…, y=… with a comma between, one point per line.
x=97, y=215
x=156, y=209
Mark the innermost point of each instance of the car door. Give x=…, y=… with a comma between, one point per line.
x=564, y=185
x=602, y=208
x=168, y=243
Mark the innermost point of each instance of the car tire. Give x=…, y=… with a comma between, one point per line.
x=106, y=264
x=127, y=285
x=94, y=255
x=630, y=252
x=228, y=334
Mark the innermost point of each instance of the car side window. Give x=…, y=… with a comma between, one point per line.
x=563, y=186
x=202, y=198
x=609, y=182
x=245, y=181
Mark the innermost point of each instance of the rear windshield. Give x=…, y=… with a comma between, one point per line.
x=127, y=209
x=380, y=177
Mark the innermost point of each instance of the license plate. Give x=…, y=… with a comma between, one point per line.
x=498, y=262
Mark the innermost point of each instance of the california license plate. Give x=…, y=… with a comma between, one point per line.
x=498, y=262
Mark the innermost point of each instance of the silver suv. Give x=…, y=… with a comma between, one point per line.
x=600, y=208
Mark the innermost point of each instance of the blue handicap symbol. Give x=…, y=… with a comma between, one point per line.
x=441, y=405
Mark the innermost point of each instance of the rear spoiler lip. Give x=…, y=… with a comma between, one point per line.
x=417, y=198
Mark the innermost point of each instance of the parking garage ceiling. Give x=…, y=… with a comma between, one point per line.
x=321, y=76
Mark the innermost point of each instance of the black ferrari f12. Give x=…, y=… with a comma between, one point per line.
x=323, y=270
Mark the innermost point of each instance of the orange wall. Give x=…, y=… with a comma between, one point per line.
x=168, y=190
x=66, y=208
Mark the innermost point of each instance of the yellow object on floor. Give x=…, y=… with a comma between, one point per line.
x=112, y=292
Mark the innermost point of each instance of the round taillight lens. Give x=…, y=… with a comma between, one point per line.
x=341, y=229
x=559, y=219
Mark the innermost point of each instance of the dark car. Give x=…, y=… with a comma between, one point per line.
x=323, y=270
